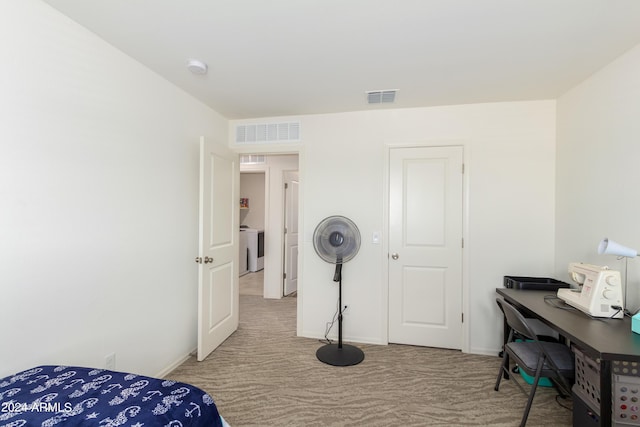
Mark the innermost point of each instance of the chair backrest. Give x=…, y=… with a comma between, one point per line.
x=516, y=320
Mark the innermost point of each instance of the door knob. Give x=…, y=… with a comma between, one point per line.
x=207, y=260
x=395, y=256
x=199, y=259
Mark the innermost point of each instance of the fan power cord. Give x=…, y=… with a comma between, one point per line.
x=330, y=324
x=329, y=327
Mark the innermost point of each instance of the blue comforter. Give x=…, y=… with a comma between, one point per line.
x=50, y=395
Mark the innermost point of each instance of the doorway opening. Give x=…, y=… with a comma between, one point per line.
x=265, y=237
x=251, y=237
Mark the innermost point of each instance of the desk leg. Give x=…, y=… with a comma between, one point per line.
x=605, y=393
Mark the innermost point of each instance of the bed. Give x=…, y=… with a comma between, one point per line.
x=50, y=395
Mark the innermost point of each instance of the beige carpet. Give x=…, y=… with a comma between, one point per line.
x=263, y=375
x=252, y=283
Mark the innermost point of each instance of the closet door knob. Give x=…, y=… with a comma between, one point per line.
x=395, y=256
x=207, y=260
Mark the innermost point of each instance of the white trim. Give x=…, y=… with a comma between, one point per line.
x=262, y=168
x=301, y=251
x=293, y=149
x=466, y=307
x=384, y=297
x=166, y=371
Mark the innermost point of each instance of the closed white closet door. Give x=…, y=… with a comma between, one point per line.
x=425, y=246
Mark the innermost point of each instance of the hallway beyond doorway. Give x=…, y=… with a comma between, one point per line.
x=252, y=283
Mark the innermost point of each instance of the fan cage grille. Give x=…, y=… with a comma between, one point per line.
x=346, y=250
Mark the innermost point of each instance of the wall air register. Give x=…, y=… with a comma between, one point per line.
x=261, y=133
x=381, y=96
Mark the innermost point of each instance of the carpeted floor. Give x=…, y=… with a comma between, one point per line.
x=264, y=375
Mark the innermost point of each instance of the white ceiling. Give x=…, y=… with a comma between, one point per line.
x=287, y=57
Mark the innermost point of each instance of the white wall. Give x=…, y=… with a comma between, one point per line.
x=510, y=152
x=598, y=158
x=252, y=187
x=98, y=200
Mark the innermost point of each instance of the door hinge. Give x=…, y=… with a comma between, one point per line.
x=285, y=230
x=463, y=168
x=284, y=275
x=463, y=243
x=286, y=185
x=462, y=317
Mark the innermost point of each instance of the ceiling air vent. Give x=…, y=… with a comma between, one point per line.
x=381, y=96
x=259, y=133
x=252, y=159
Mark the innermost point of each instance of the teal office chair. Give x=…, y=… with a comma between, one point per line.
x=536, y=358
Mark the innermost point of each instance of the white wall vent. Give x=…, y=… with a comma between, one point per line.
x=252, y=159
x=268, y=133
x=381, y=96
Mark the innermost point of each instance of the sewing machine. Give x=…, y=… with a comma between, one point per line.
x=599, y=290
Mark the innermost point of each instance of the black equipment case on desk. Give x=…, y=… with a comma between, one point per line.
x=533, y=283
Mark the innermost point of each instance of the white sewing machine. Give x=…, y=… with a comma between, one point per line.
x=600, y=289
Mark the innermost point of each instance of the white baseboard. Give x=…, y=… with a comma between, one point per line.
x=166, y=371
x=485, y=351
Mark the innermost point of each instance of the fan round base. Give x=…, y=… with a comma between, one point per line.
x=333, y=355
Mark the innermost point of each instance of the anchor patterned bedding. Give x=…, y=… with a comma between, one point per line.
x=50, y=395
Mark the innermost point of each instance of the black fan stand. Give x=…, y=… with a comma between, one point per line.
x=339, y=354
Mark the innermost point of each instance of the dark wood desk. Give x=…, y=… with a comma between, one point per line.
x=606, y=341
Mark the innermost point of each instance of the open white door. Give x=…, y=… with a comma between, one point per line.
x=290, y=232
x=218, y=249
x=425, y=245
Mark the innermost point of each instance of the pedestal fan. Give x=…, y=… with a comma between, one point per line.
x=337, y=240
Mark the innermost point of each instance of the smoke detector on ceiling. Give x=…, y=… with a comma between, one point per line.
x=381, y=96
x=196, y=66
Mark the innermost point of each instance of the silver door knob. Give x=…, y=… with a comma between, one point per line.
x=395, y=256
x=207, y=260
x=199, y=260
